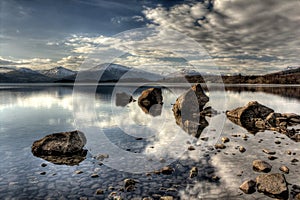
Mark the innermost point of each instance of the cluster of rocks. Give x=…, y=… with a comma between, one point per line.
x=271, y=184
x=256, y=117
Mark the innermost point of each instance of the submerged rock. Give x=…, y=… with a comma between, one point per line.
x=151, y=101
x=61, y=148
x=273, y=185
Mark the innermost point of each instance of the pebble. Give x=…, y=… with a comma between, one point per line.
x=242, y=149
x=166, y=198
x=78, y=172
x=220, y=146
x=225, y=139
x=277, y=142
x=285, y=169
x=99, y=191
x=193, y=172
x=94, y=176
x=248, y=187
x=272, y=157
x=261, y=166
x=43, y=164
x=288, y=152
x=294, y=160
x=269, y=152
x=167, y=170
x=42, y=173
x=191, y=148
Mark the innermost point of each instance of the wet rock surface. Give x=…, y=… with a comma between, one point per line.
x=273, y=185
x=61, y=148
x=151, y=100
x=256, y=117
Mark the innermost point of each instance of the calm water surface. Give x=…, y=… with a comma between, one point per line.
x=29, y=113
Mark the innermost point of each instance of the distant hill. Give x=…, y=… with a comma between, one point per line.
x=288, y=76
x=58, y=72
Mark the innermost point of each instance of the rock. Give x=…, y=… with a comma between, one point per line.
x=151, y=101
x=167, y=170
x=191, y=148
x=61, y=148
x=288, y=152
x=242, y=149
x=101, y=157
x=284, y=169
x=261, y=166
x=192, y=101
x=166, y=198
x=277, y=142
x=269, y=152
x=260, y=124
x=78, y=172
x=294, y=160
x=129, y=184
x=193, y=172
x=122, y=99
x=272, y=157
x=271, y=118
x=249, y=114
x=147, y=198
x=94, y=175
x=43, y=165
x=220, y=146
x=248, y=187
x=225, y=139
x=42, y=173
x=273, y=185
x=99, y=191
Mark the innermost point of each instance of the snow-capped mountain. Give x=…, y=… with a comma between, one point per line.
x=58, y=72
x=113, y=73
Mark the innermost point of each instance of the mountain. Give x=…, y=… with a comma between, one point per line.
x=58, y=72
x=113, y=73
x=22, y=75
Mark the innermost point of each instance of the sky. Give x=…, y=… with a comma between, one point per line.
x=238, y=36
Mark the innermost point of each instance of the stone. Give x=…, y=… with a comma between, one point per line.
x=167, y=170
x=78, y=172
x=166, y=198
x=61, y=148
x=150, y=101
x=242, y=149
x=261, y=166
x=220, y=146
x=101, y=157
x=297, y=196
x=269, y=152
x=272, y=157
x=273, y=185
x=122, y=99
x=225, y=139
x=284, y=169
x=248, y=187
x=191, y=148
x=99, y=191
x=129, y=182
x=246, y=115
x=43, y=165
x=42, y=173
x=94, y=175
x=294, y=160
x=193, y=172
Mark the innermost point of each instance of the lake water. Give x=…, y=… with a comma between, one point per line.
x=137, y=144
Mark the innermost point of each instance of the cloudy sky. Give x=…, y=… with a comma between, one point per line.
x=240, y=36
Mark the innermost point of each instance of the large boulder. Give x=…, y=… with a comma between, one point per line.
x=273, y=185
x=61, y=148
x=151, y=101
x=188, y=111
x=191, y=101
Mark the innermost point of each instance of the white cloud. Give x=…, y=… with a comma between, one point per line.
x=235, y=28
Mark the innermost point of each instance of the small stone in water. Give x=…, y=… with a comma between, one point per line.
x=277, y=142
x=42, y=173
x=248, y=187
x=191, y=148
x=225, y=139
x=43, y=164
x=99, y=191
x=94, y=176
x=272, y=157
x=78, y=172
x=285, y=169
x=220, y=146
x=269, y=152
x=242, y=149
